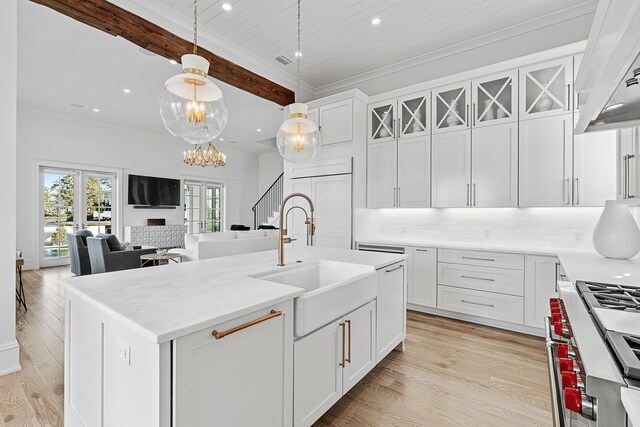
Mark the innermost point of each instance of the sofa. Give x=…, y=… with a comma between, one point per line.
x=225, y=243
x=79, y=253
x=106, y=254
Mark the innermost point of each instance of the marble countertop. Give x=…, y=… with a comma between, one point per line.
x=590, y=266
x=631, y=402
x=165, y=302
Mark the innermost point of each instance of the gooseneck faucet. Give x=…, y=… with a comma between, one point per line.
x=309, y=221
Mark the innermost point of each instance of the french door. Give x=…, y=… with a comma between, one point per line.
x=73, y=199
x=203, y=207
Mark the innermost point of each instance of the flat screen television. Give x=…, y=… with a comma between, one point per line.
x=153, y=191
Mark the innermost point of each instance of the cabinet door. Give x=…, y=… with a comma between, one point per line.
x=539, y=286
x=414, y=175
x=451, y=107
x=415, y=115
x=382, y=121
x=627, y=161
x=295, y=222
x=546, y=89
x=594, y=168
x=332, y=200
x=451, y=169
x=382, y=161
x=361, y=344
x=494, y=99
x=422, y=277
x=494, y=166
x=577, y=61
x=545, y=161
x=391, y=308
x=313, y=115
x=336, y=122
x=218, y=379
x=317, y=374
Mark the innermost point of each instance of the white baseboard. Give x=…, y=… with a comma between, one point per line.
x=9, y=358
x=479, y=320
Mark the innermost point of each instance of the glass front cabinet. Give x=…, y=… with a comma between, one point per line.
x=451, y=107
x=382, y=121
x=546, y=88
x=414, y=112
x=495, y=99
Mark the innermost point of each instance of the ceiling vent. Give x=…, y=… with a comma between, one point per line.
x=283, y=60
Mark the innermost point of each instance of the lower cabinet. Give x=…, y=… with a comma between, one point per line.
x=507, y=308
x=422, y=277
x=541, y=284
x=241, y=379
x=331, y=360
x=391, y=308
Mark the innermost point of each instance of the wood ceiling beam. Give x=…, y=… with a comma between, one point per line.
x=119, y=22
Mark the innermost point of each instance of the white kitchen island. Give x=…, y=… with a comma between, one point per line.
x=205, y=343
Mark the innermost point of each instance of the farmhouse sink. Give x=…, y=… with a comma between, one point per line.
x=332, y=289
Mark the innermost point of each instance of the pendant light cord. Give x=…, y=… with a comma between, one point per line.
x=298, y=55
x=195, y=27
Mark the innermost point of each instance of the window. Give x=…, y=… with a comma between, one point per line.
x=203, y=207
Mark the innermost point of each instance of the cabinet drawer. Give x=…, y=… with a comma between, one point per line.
x=502, y=280
x=488, y=259
x=507, y=308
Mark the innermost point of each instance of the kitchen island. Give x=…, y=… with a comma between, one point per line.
x=212, y=342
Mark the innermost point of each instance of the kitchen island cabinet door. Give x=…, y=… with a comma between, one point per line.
x=242, y=379
x=391, y=326
x=360, y=344
x=317, y=372
x=541, y=276
x=422, y=277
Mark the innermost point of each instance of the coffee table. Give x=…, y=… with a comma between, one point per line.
x=155, y=259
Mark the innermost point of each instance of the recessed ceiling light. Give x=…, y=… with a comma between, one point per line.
x=259, y=130
x=126, y=90
x=375, y=21
x=614, y=106
x=75, y=105
x=96, y=110
x=298, y=53
x=226, y=6
x=221, y=139
x=173, y=61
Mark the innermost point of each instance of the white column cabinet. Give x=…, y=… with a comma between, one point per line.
x=627, y=157
x=422, y=286
x=494, y=166
x=391, y=325
x=541, y=276
x=414, y=180
x=382, y=164
x=451, y=169
x=545, y=161
x=594, y=168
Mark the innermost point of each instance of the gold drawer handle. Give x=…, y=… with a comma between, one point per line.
x=218, y=335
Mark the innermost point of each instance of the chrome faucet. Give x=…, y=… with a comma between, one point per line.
x=311, y=228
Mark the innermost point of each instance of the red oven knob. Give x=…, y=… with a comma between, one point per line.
x=556, y=317
x=553, y=302
x=566, y=365
x=560, y=329
x=569, y=380
x=565, y=350
x=573, y=399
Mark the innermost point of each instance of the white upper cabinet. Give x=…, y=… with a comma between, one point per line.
x=336, y=122
x=594, y=168
x=451, y=169
x=546, y=89
x=545, y=161
x=382, y=121
x=451, y=107
x=494, y=166
x=627, y=153
x=414, y=186
x=382, y=162
x=313, y=114
x=414, y=115
x=495, y=99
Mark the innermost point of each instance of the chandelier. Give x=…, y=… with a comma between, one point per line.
x=207, y=157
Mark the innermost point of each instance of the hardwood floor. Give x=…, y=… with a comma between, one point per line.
x=451, y=373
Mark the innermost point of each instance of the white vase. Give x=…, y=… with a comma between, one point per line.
x=616, y=234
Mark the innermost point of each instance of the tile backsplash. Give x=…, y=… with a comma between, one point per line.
x=553, y=227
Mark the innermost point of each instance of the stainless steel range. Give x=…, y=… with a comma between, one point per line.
x=593, y=350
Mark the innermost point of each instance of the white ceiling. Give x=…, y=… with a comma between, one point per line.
x=63, y=62
x=339, y=41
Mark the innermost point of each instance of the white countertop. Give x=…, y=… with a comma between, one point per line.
x=590, y=266
x=631, y=402
x=169, y=301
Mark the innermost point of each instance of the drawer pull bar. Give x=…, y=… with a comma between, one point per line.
x=219, y=335
x=477, y=278
x=342, y=363
x=422, y=250
x=394, y=269
x=479, y=259
x=348, y=322
x=477, y=303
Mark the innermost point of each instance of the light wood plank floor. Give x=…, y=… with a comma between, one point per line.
x=451, y=373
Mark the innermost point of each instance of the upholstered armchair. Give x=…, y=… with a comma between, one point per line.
x=106, y=256
x=78, y=252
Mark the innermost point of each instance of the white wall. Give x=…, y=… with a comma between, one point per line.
x=270, y=166
x=9, y=357
x=440, y=64
x=43, y=137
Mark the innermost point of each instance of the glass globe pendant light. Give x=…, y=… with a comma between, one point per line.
x=298, y=138
x=192, y=106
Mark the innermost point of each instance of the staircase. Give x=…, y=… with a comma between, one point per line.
x=266, y=211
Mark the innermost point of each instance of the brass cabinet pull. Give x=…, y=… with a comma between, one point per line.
x=219, y=335
x=348, y=322
x=343, y=359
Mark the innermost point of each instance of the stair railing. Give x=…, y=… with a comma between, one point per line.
x=268, y=203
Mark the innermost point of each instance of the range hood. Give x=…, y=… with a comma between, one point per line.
x=608, y=81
